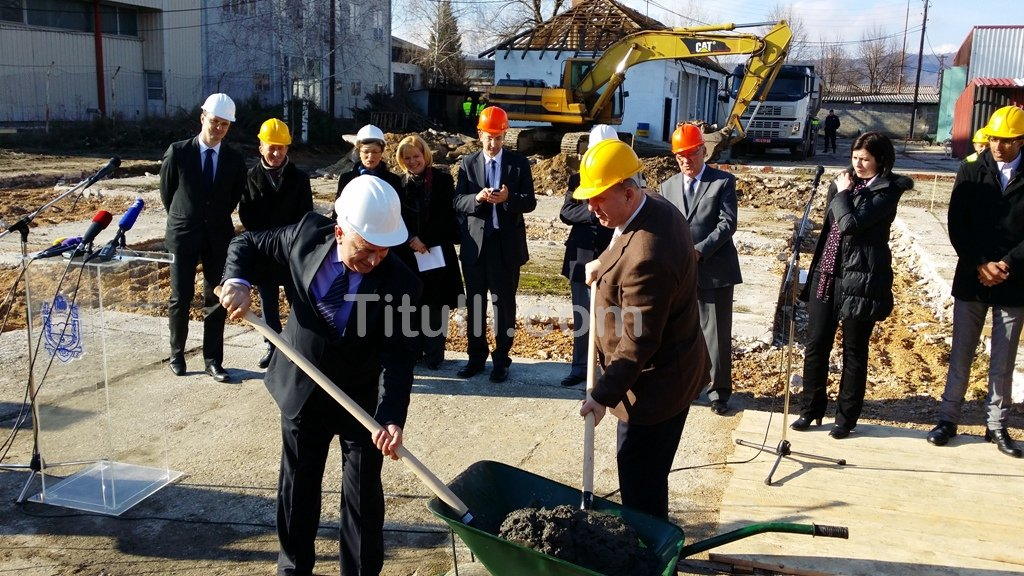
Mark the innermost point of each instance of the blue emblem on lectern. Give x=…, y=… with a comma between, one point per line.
x=62, y=329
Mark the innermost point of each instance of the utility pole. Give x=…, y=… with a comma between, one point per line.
x=903, y=52
x=331, y=86
x=917, y=82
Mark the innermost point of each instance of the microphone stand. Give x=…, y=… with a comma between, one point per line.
x=790, y=284
x=22, y=226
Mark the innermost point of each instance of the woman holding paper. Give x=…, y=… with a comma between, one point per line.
x=426, y=195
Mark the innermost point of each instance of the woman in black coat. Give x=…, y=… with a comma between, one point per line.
x=368, y=154
x=850, y=280
x=426, y=193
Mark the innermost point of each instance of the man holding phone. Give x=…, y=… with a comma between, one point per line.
x=493, y=191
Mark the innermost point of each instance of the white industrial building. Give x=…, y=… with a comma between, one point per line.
x=160, y=57
x=661, y=93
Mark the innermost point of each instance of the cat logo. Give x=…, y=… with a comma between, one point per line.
x=705, y=46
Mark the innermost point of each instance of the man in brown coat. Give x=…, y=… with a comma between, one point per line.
x=648, y=340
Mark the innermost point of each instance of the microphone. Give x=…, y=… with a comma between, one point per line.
x=60, y=246
x=123, y=225
x=114, y=163
x=99, y=223
x=817, y=175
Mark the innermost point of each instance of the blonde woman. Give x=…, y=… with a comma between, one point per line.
x=426, y=193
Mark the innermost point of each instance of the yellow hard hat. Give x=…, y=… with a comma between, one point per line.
x=980, y=137
x=604, y=166
x=274, y=131
x=1007, y=122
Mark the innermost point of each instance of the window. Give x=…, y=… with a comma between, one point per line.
x=353, y=18
x=66, y=14
x=238, y=6
x=261, y=81
x=357, y=88
x=10, y=11
x=154, y=85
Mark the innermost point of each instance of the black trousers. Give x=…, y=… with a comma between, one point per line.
x=490, y=274
x=270, y=303
x=644, y=455
x=432, y=325
x=830, y=140
x=306, y=441
x=821, y=333
x=183, y=289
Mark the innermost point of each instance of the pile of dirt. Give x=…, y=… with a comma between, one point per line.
x=550, y=175
x=18, y=202
x=658, y=169
x=600, y=542
x=767, y=191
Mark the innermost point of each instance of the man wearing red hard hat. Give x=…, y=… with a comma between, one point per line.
x=707, y=199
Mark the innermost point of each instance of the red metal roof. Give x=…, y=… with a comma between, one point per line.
x=1007, y=82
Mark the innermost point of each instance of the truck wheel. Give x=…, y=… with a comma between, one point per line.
x=798, y=152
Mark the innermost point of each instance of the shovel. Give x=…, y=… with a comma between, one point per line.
x=426, y=476
x=588, y=420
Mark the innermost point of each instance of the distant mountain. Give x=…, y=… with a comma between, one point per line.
x=931, y=65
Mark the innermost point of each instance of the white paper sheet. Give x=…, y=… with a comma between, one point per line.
x=431, y=260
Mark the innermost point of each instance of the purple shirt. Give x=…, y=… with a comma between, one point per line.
x=325, y=275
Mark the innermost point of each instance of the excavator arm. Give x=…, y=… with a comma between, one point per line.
x=767, y=55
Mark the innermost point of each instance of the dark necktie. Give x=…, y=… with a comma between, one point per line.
x=691, y=195
x=208, y=171
x=331, y=302
x=490, y=180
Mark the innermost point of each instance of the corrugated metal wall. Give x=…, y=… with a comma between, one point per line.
x=183, y=66
x=973, y=109
x=997, y=53
x=55, y=70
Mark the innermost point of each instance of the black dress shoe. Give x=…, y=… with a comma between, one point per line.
x=571, y=380
x=1002, y=439
x=433, y=364
x=720, y=407
x=499, y=374
x=265, y=359
x=217, y=373
x=839, y=432
x=470, y=370
x=940, y=435
x=177, y=364
x=804, y=422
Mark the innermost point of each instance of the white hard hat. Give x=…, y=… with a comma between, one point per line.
x=221, y=106
x=601, y=132
x=369, y=207
x=368, y=133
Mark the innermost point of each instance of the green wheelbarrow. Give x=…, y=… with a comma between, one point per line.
x=492, y=490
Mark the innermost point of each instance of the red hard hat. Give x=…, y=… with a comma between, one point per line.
x=493, y=120
x=686, y=138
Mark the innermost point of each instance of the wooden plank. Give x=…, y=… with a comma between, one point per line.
x=911, y=508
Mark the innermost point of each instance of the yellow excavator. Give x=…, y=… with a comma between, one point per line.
x=591, y=90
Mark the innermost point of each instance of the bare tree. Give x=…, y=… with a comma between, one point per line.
x=879, y=59
x=799, y=50
x=833, y=65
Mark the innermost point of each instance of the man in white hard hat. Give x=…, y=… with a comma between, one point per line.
x=201, y=182
x=347, y=318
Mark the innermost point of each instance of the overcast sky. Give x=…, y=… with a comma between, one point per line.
x=949, y=21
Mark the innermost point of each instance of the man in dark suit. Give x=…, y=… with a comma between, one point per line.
x=648, y=337
x=493, y=191
x=587, y=238
x=831, y=128
x=277, y=194
x=347, y=288
x=201, y=182
x=707, y=199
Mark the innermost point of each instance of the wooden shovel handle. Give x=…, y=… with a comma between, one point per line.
x=426, y=476
x=588, y=421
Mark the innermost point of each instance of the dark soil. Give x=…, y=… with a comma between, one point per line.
x=599, y=542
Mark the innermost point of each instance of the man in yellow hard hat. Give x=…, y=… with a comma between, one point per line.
x=980, y=143
x=986, y=228
x=277, y=194
x=647, y=328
